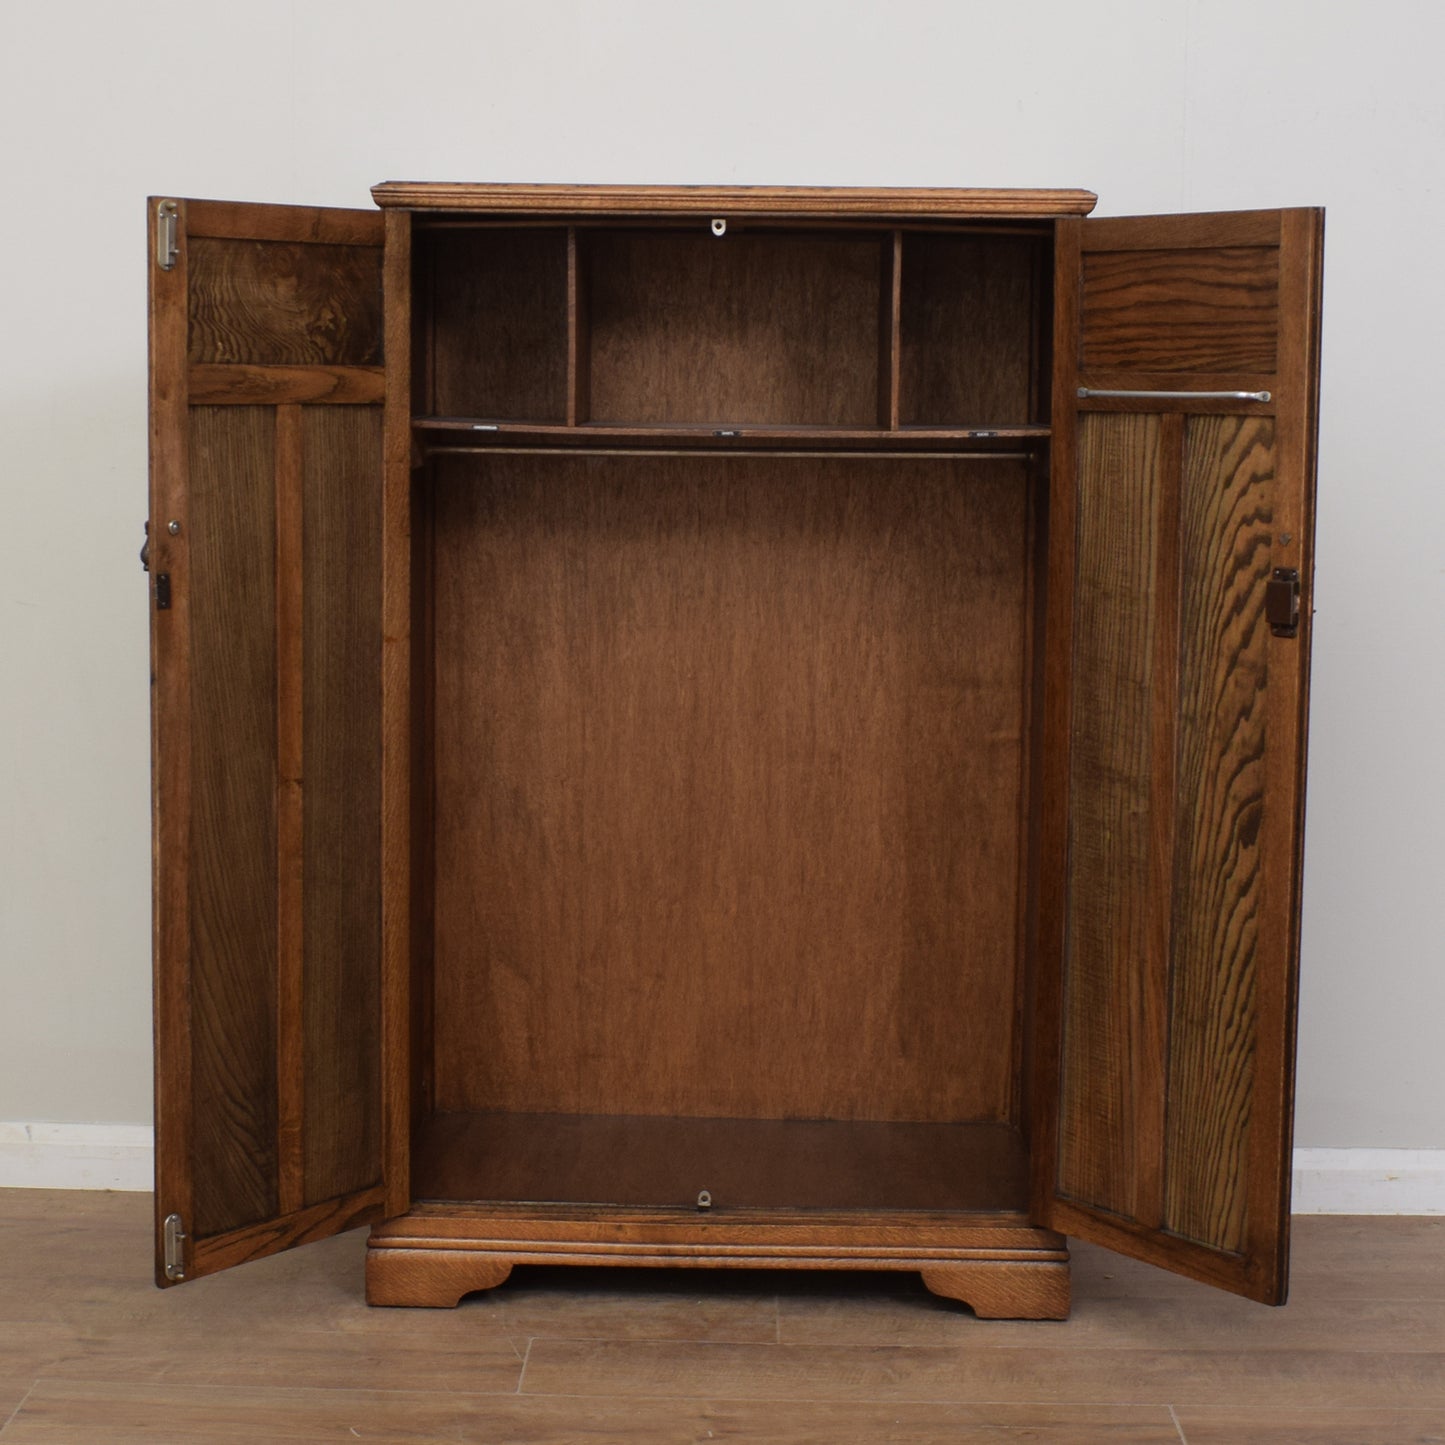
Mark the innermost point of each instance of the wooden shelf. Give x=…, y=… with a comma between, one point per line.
x=481, y=432
x=639, y=1160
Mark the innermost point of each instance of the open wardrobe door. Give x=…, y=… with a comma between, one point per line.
x=264, y=540
x=1179, y=579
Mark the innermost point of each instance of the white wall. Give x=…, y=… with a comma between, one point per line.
x=1155, y=104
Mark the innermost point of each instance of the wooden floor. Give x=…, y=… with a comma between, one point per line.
x=285, y=1350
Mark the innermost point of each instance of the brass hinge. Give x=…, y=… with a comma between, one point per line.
x=174, y=1238
x=167, y=247
x=1281, y=602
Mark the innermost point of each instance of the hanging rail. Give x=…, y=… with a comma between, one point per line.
x=1085, y=392
x=880, y=455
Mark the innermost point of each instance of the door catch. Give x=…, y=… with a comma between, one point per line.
x=1281, y=602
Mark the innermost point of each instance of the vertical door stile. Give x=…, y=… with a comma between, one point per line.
x=170, y=734
x=399, y=749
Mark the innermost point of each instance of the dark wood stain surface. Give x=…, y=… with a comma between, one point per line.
x=1179, y=311
x=233, y=804
x=1109, y=834
x=1192, y=1169
x=341, y=622
x=967, y=331
x=688, y=327
x=716, y=840
x=1218, y=882
x=728, y=760
x=276, y=303
x=742, y=1163
x=499, y=324
x=267, y=665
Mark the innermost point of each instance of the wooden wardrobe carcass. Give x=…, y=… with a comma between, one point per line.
x=729, y=727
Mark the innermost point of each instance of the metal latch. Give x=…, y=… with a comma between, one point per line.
x=1281, y=602
x=173, y=1237
x=163, y=591
x=167, y=246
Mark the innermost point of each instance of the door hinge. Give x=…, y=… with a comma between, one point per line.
x=167, y=246
x=174, y=1238
x=1281, y=602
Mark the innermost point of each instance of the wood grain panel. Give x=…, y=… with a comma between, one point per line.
x=743, y=1163
x=1109, y=850
x=499, y=322
x=759, y=328
x=1218, y=883
x=967, y=330
x=1181, y=311
x=341, y=707
x=233, y=816
x=276, y=303
x=728, y=761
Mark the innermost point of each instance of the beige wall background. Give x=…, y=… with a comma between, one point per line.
x=1155, y=104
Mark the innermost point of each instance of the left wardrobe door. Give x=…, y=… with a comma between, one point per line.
x=266, y=381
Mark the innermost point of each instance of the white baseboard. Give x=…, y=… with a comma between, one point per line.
x=1369, y=1181
x=76, y=1156
x=120, y=1156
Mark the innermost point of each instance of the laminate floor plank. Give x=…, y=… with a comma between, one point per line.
x=1047, y=1372
x=66, y=1411
x=13, y=1390
x=27, y=1349
x=1313, y=1427
x=99, y=1268
x=413, y=1357
x=285, y=1349
x=895, y=1309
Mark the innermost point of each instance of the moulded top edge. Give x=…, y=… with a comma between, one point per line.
x=824, y=201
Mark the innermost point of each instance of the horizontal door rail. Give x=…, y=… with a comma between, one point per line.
x=1085, y=392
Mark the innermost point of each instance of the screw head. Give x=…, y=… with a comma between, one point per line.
x=174, y=528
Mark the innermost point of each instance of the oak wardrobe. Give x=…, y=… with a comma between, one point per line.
x=748, y=726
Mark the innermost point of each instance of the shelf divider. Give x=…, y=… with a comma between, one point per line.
x=579, y=341
x=890, y=330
